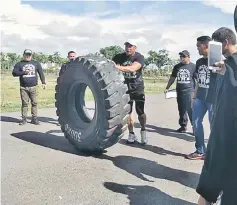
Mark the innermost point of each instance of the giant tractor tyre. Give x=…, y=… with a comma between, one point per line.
x=111, y=114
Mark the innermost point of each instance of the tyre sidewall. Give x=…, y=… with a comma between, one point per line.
x=79, y=131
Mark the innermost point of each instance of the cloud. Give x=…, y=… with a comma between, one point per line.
x=51, y=31
x=86, y=28
x=225, y=6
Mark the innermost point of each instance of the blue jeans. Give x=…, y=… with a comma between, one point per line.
x=200, y=108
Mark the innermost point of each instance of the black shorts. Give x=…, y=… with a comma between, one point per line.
x=139, y=99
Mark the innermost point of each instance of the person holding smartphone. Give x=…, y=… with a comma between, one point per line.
x=219, y=172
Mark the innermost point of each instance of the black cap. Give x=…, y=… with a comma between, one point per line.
x=27, y=52
x=185, y=53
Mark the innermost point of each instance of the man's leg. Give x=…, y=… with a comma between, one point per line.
x=131, y=137
x=33, y=98
x=24, y=104
x=183, y=116
x=199, y=111
x=189, y=98
x=140, y=104
x=131, y=119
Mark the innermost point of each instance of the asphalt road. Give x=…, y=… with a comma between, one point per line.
x=39, y=166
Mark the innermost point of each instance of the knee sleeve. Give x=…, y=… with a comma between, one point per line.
x=140, y=108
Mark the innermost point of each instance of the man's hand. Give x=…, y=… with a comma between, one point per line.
x=43, y=86
x=221, y=65
x=166, y=90
x=118, y=66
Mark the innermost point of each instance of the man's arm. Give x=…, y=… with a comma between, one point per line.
x=17, y=71
x=195, y=91
x=172, y=78
x=170, y=82
x=195, y=78
x=136, y=65
x=131, y=68
x=41, y=73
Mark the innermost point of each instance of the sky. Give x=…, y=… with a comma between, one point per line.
x=87, y=26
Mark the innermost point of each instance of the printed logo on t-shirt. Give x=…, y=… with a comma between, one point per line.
x=31, y=70
x=129, y=75
x=203, y=76
x=183, y=76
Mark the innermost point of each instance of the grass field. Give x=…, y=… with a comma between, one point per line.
x=10, y=93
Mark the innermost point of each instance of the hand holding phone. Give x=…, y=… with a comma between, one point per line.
x=222, y=66
x=214, y=55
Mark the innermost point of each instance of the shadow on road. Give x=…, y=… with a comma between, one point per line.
x=167, y=132
x=154, y=149
x=9, y=119
x=135, y=166
x=41, y=119
x=48, y=140
x=140, y=195
x=139, y=167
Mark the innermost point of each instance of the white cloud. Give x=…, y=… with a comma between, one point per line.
x=48, y=32
x=226, y=6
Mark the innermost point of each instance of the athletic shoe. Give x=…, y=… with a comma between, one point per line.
x=132, y=138
x=144, y=139
x=195, y=156
x=182, y=130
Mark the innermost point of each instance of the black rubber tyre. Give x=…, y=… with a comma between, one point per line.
x=235, y=18
x=111, y=116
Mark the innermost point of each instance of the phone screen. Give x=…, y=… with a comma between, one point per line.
x=215, y=54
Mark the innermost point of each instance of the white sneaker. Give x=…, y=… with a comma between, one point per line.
x=144, y=139
x=131, y=138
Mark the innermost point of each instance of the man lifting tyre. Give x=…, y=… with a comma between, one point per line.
x=131, y=64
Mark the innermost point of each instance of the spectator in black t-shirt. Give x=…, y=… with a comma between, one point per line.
x=203, y=97
x=27, y=70
x=131, y=64
x=185, y=74
x=71, y=57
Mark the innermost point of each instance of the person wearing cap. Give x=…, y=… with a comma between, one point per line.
x=185, y=74
x=204, y=96
x=27, y=70
x=131, y=64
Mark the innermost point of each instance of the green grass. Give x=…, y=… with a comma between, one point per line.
x=10, y=92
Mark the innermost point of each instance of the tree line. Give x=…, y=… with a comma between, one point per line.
x=159, y=58
x=154, y=60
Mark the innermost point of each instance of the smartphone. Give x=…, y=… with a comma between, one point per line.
x=214, y=54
